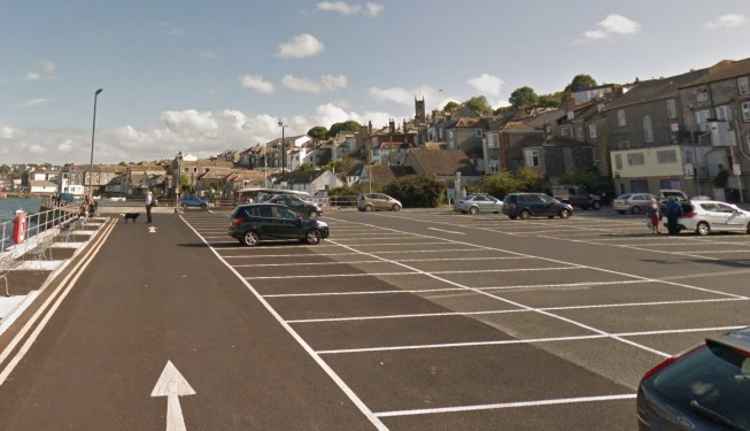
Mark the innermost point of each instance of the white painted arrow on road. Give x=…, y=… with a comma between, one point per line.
x=152, y=229
x=172, y=384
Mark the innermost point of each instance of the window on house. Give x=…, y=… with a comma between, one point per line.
x=636, y=159
x=743, y=85
x=724, y=113
x=622, y=120
x=672, y=109
x=701, y=119
x=666, y=156
x=746, y=112
x=532, y=158
x=564, y=131
x=592, y=131
x=648, y=130
x=701, y=95
x=579, y=133
x=618, y=161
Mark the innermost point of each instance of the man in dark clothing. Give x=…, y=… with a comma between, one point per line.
x=673, y=213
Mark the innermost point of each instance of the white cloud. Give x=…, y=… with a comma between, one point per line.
x=333, y=82
x=171, y=29
x=374, y=9
x=344, y=8
x=302, y=85
x=486, y=84
x=595, y=34
x=301, y=46
x=207, y=54
x=501, y=104
x=613, y=24
x=730, y=20
x=203, y=133
x=44, y=70
x=305, y=85
x=341, y=7
x=402, y=96
x=257, y=83
x=66, y=146
x=7, y=132
x=34, y=102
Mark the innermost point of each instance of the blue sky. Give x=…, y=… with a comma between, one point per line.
x=172, y=72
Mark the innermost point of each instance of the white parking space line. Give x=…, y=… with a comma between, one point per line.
x=499, y=406
x=286, y=264
x=353, y=275
x=506, y=311
x=520, y=305
x=514, y=341
x=362, y=292
x=609, y=271
x=560, y=286
x=353, y=397
x=453, y=232
x=255, y=255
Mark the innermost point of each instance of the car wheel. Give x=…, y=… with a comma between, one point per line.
x=635, y=210
x=204, y=207
x=512, y=217
x=550, y=217
x=369, y=208
x=564, y=213
x=703, y=229
x=596, y=206
x=621, y=212
x=525, y=214
x=313, y=237
x=314, y=215
x=396, y=208
x=250, y=239
x=748, y=228
x=473, y=210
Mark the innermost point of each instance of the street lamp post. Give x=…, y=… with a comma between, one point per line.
x=178, y=180
x=283, y=147
x=93, y=132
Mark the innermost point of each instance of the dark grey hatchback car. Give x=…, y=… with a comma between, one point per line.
x=707, y=388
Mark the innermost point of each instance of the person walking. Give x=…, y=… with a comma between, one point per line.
x=673, y=213
x=149, y=204
x=654, y=216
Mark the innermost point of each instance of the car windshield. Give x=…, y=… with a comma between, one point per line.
x=716, y=377
x=626, y=196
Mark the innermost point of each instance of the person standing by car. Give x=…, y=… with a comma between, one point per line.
x=149, y=202
x=654, y=216
x=673, y=213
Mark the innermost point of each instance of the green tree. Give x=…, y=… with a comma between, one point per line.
x=553, y=100
x=450, y=107
x=479, y=105
x=580, y=82
x=524, y=96
x=500, y=184
x=416, y=191
x=346, y=126
x=318, y=133
x=530, y=180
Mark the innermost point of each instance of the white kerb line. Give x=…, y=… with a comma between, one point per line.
x=361, y=406
x=609, y=271
x=519, y=305
x=446, y=231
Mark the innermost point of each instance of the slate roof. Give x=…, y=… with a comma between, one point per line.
x=727, y=69
x=656, y=89
x=443, y=163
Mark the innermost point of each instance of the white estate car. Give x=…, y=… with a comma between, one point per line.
x=715, y=216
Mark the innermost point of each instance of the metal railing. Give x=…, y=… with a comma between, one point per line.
x=37, y=223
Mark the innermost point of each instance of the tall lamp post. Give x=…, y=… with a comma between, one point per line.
x=178, y=180
x=283, y=147
x=93, y=132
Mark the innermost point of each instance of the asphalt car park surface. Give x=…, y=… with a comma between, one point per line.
x=431, y=320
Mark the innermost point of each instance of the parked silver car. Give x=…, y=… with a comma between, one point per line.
x=478, y=203
x=634, y=203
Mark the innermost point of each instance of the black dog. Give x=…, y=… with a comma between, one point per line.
x=131, y=216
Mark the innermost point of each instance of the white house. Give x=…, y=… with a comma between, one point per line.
x=42, y=187
x=315, y=181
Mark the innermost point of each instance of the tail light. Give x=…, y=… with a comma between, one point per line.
x=236, y=221
x=669, y=361
x=690, y=214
